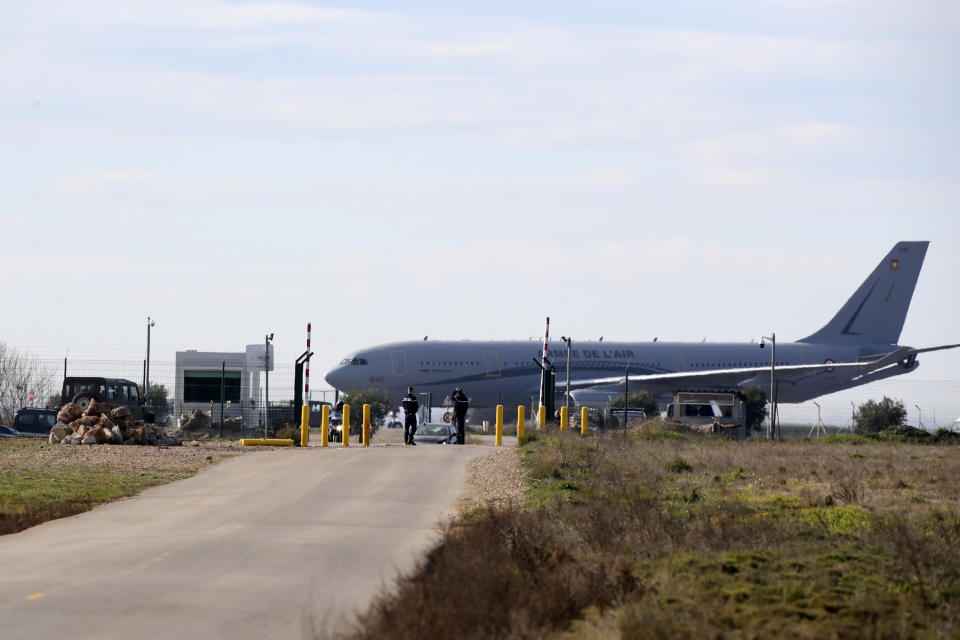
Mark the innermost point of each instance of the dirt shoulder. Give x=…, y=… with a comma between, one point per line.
x=496, y=477
x=40, y=481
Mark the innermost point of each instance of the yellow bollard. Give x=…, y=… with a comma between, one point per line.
x=521, y=422
x=305, y=425
x=541, y=418
x=584, y=419
x=564, y=415
x=345, y=426
x=266, y=442
x=498, y=439
x=366, y=425
x=325, y=426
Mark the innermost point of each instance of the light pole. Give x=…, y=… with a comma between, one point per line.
x=569, y=343
x=773, y=363
x=146, y=374
x=266, y=369
x=919, y=416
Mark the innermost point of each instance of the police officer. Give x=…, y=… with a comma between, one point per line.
x=460, y=405
x=410, y=408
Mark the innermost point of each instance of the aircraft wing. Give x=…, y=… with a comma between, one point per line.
x=714, y=377
x=734, y=377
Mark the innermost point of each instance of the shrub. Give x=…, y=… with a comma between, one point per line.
x=379, y=403
x=527, y=437
x=679, y=465
x=291, y=432
x=904, y=433
x=755, y=406
x=643, y=399
x=873, y=416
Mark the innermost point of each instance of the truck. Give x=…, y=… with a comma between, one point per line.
x=116, y=392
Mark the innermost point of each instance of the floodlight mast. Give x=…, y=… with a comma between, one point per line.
x=773, y=363
x=266, y=369
x=569, y=342
x=146, y=372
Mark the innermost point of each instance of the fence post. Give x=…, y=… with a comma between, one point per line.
x=584, y=419
x=498, y=430
x=521, y=419
x=345, y=427
x=325, y=426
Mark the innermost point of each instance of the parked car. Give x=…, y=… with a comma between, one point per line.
x=431, y=433
x=7, y=432
x=394, y=419
x=116, y=392
x=633, y=413
x=34, y=422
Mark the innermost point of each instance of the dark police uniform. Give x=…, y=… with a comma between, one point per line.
x=410, y=408
x=460, y=405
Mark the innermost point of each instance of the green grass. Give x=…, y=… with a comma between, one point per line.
x=698, y=538
x=42, y=482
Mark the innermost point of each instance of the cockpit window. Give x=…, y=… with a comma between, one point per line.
x=346, y=361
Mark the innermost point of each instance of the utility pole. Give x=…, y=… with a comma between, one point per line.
x=569, y=342
x=773, y=399
x=266, y=369
x=626, y=396
x=146, y=373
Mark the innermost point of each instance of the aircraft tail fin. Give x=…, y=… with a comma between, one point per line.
x=877, y=310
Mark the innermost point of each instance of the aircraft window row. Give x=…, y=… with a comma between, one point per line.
x=346, y=361
x=783, y=363
x=468, y=363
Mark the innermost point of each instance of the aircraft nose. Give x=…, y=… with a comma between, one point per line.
x=337, y=378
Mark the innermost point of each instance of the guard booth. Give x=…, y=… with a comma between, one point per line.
x=723, y=413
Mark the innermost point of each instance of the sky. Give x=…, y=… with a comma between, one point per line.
x=685, y=170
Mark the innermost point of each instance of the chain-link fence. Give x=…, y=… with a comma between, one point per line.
x=223, y=389
x=227, y=388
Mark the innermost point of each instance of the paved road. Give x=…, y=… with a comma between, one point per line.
x=261, y=546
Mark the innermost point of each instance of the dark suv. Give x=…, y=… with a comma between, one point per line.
x=116, y=392
x=34, y=422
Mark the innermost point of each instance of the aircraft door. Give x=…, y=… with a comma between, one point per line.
x=398, y=360
x=681, y=362
x=491, y=361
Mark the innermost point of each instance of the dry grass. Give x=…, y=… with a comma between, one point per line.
x=40, y=481
x=649, y=536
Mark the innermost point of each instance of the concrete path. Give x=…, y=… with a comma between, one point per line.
x=267, y=545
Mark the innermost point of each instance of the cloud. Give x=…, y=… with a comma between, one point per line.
x=742, y=178
x=144, y=187
x=784, y=141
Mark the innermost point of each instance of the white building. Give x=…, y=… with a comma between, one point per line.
x=203, y=378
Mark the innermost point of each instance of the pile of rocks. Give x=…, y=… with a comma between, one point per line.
x=101, y=425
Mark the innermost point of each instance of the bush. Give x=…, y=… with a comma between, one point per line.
x=527, y=437
x=945, y=436
x=291, y=432
x=643, y=399
x=379, y=403
x=679, y=465
x=755, y=407
x=873, y=416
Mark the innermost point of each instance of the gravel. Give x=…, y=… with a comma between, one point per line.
x=495, y=477
x=119, y=458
